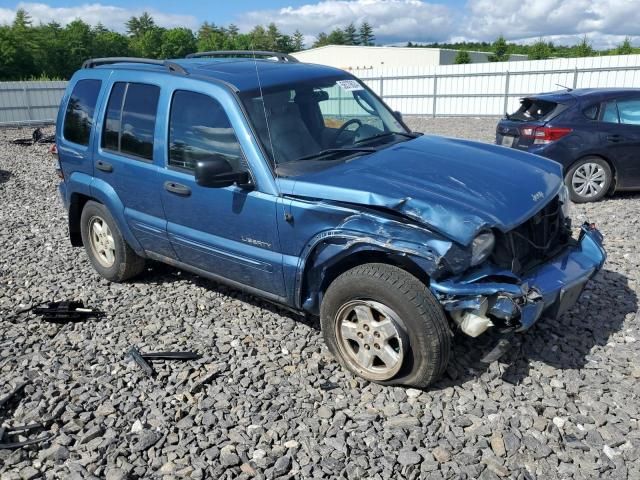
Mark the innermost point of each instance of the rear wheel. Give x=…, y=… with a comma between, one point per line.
x=384, y=325
x=109, y=253
x=589, y=180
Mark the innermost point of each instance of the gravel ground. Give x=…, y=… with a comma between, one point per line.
x=267, y=400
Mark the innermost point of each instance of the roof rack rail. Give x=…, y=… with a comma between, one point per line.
x=282, y=57
x=171, y=66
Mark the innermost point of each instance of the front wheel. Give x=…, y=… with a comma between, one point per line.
x=589, y=180
x=384, y=325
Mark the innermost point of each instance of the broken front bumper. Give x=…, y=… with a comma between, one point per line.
x=517, y=302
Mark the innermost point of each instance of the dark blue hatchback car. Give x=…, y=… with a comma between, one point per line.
x=593, y=133
x=296, y=183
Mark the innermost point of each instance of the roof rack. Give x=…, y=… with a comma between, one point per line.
x=171, y=66
x=282, y=57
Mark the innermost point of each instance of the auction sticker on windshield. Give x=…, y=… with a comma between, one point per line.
x=349, y=85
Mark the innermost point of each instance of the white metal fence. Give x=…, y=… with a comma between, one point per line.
x=480, y=89
x=493, y=88
x=23, y=103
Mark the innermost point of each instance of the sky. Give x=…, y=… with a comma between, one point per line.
x=605, y=22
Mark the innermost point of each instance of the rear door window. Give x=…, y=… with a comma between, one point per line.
x=131, y=119
x=629, y=111
x=199, y=129
x=610, y=113
x=78, y=119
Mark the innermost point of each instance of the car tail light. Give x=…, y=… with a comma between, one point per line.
x=53, y=150
x=544, y=135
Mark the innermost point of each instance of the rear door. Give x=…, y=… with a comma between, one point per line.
x=126, y=157
x=230, y=232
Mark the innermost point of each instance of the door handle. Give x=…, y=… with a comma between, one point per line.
x=177, y=188
x=615, y=138
x=104, y=166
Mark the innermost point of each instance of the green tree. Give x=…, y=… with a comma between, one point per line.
x=321, y=40
x=78, y=40
x=540, y=50
x=107, y=43
x=336, y=37
x=584, y=48
x=462, y=57
x=500, y=50
x=297, y=41
x=366, y=36
x=148, y=44
x=177, y=43
x=624, y=48
x=350, y=34
x=137, y=26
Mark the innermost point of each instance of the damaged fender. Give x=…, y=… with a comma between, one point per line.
x=374, y=235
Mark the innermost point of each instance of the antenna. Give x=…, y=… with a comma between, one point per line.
x=264, y=107
x=567, y=88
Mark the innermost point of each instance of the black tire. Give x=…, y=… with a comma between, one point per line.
x=580, y=166
x=424, y=326
x=126, y=263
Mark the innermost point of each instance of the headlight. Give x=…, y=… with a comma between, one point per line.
x=481, y=247
x=565, y=202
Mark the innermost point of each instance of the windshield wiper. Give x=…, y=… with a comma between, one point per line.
x=388, y=134
x=327, y=151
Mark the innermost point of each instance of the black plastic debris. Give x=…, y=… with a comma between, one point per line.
x=36, y=137
x=67, y=311
x=142, y=359
x=6, y=431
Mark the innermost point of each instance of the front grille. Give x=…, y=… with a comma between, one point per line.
x=535, y=241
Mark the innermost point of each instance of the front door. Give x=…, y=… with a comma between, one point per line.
x=230, y=232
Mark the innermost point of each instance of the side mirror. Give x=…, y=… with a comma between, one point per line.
x=216, y=172
x=398, y=115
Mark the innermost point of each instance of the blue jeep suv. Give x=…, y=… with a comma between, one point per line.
x=296, y=183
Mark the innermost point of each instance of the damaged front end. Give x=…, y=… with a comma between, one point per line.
x=493, y=296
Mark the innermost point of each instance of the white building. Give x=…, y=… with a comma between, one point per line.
x=351, y=57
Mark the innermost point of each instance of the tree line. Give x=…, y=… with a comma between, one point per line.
x=541, y=49
x=51, y=51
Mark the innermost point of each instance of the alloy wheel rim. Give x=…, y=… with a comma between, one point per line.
x=102, y=243
x=370, y=338
x=588, y=180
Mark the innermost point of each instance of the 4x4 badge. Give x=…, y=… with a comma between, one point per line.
x=537, y=196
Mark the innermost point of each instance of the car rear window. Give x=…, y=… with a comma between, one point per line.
x=131, y=119
x=78, y=119
x=536, y=109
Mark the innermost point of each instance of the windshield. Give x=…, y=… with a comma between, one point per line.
x=314, y=123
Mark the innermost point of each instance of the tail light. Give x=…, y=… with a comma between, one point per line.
x=53, y=150
x=544, y=135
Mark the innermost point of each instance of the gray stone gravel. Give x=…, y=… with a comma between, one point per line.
x=563, y=403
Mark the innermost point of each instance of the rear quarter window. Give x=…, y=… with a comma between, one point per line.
x=78, y=118
x=591, y=112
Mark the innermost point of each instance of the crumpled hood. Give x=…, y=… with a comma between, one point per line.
x=456, y=187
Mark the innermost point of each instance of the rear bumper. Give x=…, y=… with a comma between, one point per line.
x=550, y=289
